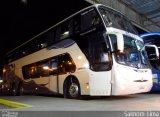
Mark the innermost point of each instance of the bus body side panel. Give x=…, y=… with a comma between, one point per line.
x=100, y=83
x=41, y=85
x=53, y=83
x=127, y=80
x=156, y=80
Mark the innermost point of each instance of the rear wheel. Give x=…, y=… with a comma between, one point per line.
x=14, y=90
x=72, y=89
x=21, y=90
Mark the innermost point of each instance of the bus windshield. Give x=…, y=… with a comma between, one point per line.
x=133, y=54
x=143, y=54
x=116, y=20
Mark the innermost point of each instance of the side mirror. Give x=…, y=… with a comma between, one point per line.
x=152, y=52
x=120, y=42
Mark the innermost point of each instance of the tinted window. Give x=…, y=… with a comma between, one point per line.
x=61, y=64
x=58, y=33
x=66, y=29
x=41, y=42
x=89, y=19
x=77, y=24
x=53, y=66
x=25, y=71
x=50, y=37
x=32, y=71
x=116, y=20
x=65, y=64
x=42, y=68
x=96, y=49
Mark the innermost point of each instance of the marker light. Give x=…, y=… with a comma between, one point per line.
x=79, y=57
x=121, y=51
x=87, y=85
x=86, y=65
x=4, y=70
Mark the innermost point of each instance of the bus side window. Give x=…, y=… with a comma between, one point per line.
x=32, y=71
x=77, y=24
x=33, y=46
x=69, y=64
x=25, y=71
x=98, y=52
x=89, y=19
x=57, y=33
x=41, y=42
x=50, y=37
x=66, y=64
x=66, y=29
x=42, y=68
x=61, y=67
x=53, y=66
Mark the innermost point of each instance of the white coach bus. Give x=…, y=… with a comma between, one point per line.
x=94, y=52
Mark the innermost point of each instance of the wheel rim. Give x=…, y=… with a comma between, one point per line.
x=74, y=90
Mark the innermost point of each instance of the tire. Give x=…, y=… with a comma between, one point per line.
x=72, y=89
x=14, y=90
x=21, y=90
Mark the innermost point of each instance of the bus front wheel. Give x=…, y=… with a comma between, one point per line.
x=72, y=89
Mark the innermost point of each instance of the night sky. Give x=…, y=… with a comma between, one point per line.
x=20, y=20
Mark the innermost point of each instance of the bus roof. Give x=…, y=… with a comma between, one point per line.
x=149, y=34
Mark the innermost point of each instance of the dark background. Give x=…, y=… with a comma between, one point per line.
x=20, y=20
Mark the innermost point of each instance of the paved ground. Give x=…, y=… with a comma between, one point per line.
x=105, y=107
x=138, y=102
x=4, y=107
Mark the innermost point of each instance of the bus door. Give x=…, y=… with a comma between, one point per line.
x=97, y=50
x=100, y=79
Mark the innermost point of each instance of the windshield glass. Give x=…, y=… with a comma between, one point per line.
x=116, y=20
x=132, y=55
x=95, y=47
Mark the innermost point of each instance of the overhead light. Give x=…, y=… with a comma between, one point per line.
x=24, y=2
